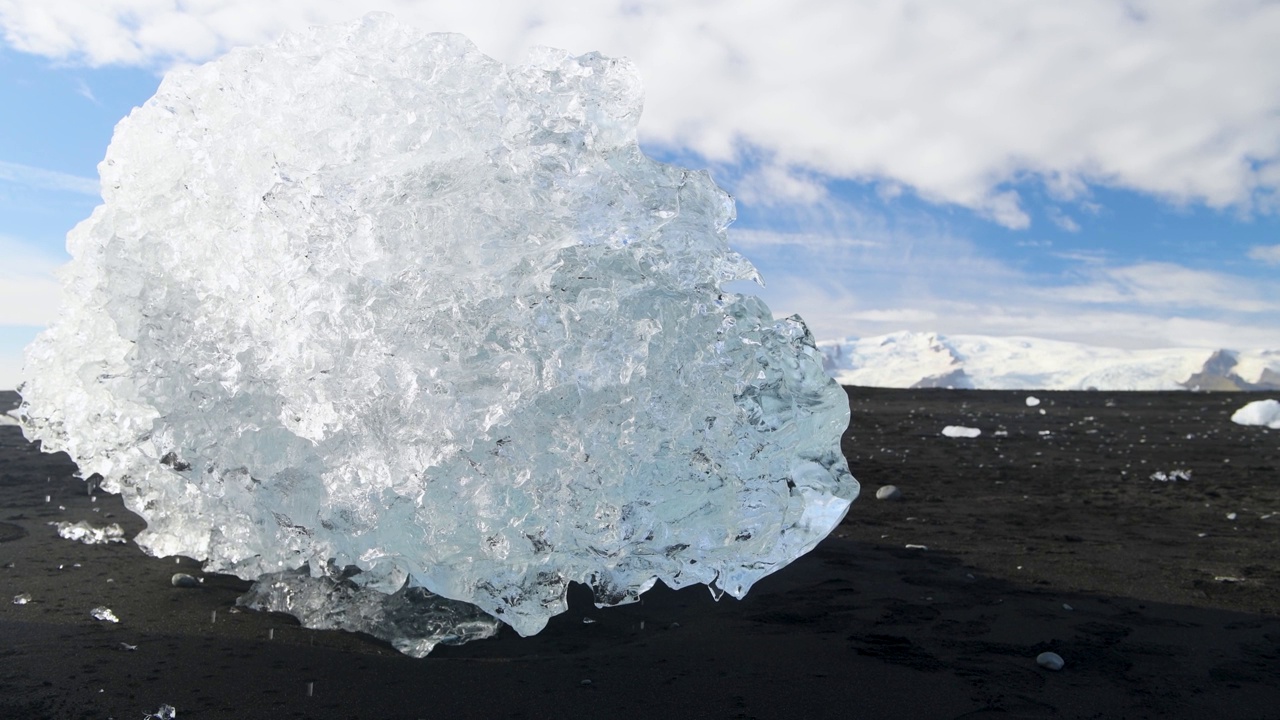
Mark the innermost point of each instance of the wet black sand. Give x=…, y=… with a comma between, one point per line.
x=1015, y=528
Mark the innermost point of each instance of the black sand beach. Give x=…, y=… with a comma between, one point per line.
x=1053, y=537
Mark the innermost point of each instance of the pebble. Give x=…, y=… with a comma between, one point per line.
x=184, y=580
x=1050, y=661
x=889, y=492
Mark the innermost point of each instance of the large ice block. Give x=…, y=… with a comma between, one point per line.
x=365, y=298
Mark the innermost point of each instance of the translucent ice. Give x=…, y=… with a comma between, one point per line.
x=367, y=297
x=90, y=535
x=412, y=619
x=104, y=614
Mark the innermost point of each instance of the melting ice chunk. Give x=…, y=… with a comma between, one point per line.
x=104, y=613
x=960, y=431
x=88, y=534
x=367, y=297
x=1259, y=412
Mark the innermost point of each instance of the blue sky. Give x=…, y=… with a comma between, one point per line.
x=1104, y=172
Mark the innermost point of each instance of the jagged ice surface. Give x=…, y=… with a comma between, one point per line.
x=367, y=297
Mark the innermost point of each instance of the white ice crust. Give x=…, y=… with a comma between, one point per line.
x=367, y=297
x=1265, y=413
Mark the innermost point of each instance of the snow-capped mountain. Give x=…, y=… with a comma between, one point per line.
x=911, y=359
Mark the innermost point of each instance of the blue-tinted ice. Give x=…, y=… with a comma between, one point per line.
x=367, y=297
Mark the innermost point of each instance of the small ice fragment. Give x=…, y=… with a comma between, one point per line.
x=585, y=682
x=1032, y=401
x=166, y=712
x=959, y=431
x=1172, y=476
x=917, y=547
x=183, y=580
x=1231, y=516
x=104, y=613
x=1050, y=661
x=88, y=534
x=311, y=689
x=22, y=598
x=1227, y=579
x=127, y=647
x=1067, y=607
x=889, y=492
x=1265, y=413
x=588, y=621
x=1042, y=411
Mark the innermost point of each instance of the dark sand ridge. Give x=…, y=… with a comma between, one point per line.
x=863, y=627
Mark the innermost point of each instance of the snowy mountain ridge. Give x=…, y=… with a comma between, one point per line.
x=916, y=359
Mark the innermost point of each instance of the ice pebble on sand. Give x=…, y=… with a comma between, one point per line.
x=959, y=431
x=1050, y=661
x=1032, y=401
x=183, y=580
x=1260, y=412
x=889, y=492
x=104, y=613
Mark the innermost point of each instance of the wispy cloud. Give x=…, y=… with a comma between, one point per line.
x=1162, y=284
x=953, y=100
x=776, y=185
x=1269, y=254
x=41, y=179
x=938, y=282
x=1062, y=220
x=29, y=291
x=84, y=91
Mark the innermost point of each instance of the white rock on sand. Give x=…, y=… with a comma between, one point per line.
x=1260, y=412
x=889, y=492
x=1050, y=661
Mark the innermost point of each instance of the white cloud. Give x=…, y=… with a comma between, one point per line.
x=86, y=92
x=952, y=99
x=10, y=367
x=1269, y=254
x=1063, y=220
x=1164, y=285
x=776, y=185
x=41, y=179
x=936, y=282
x=744, y=238
x=29, y=292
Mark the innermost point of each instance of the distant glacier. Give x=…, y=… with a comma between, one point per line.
x=917, y=359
